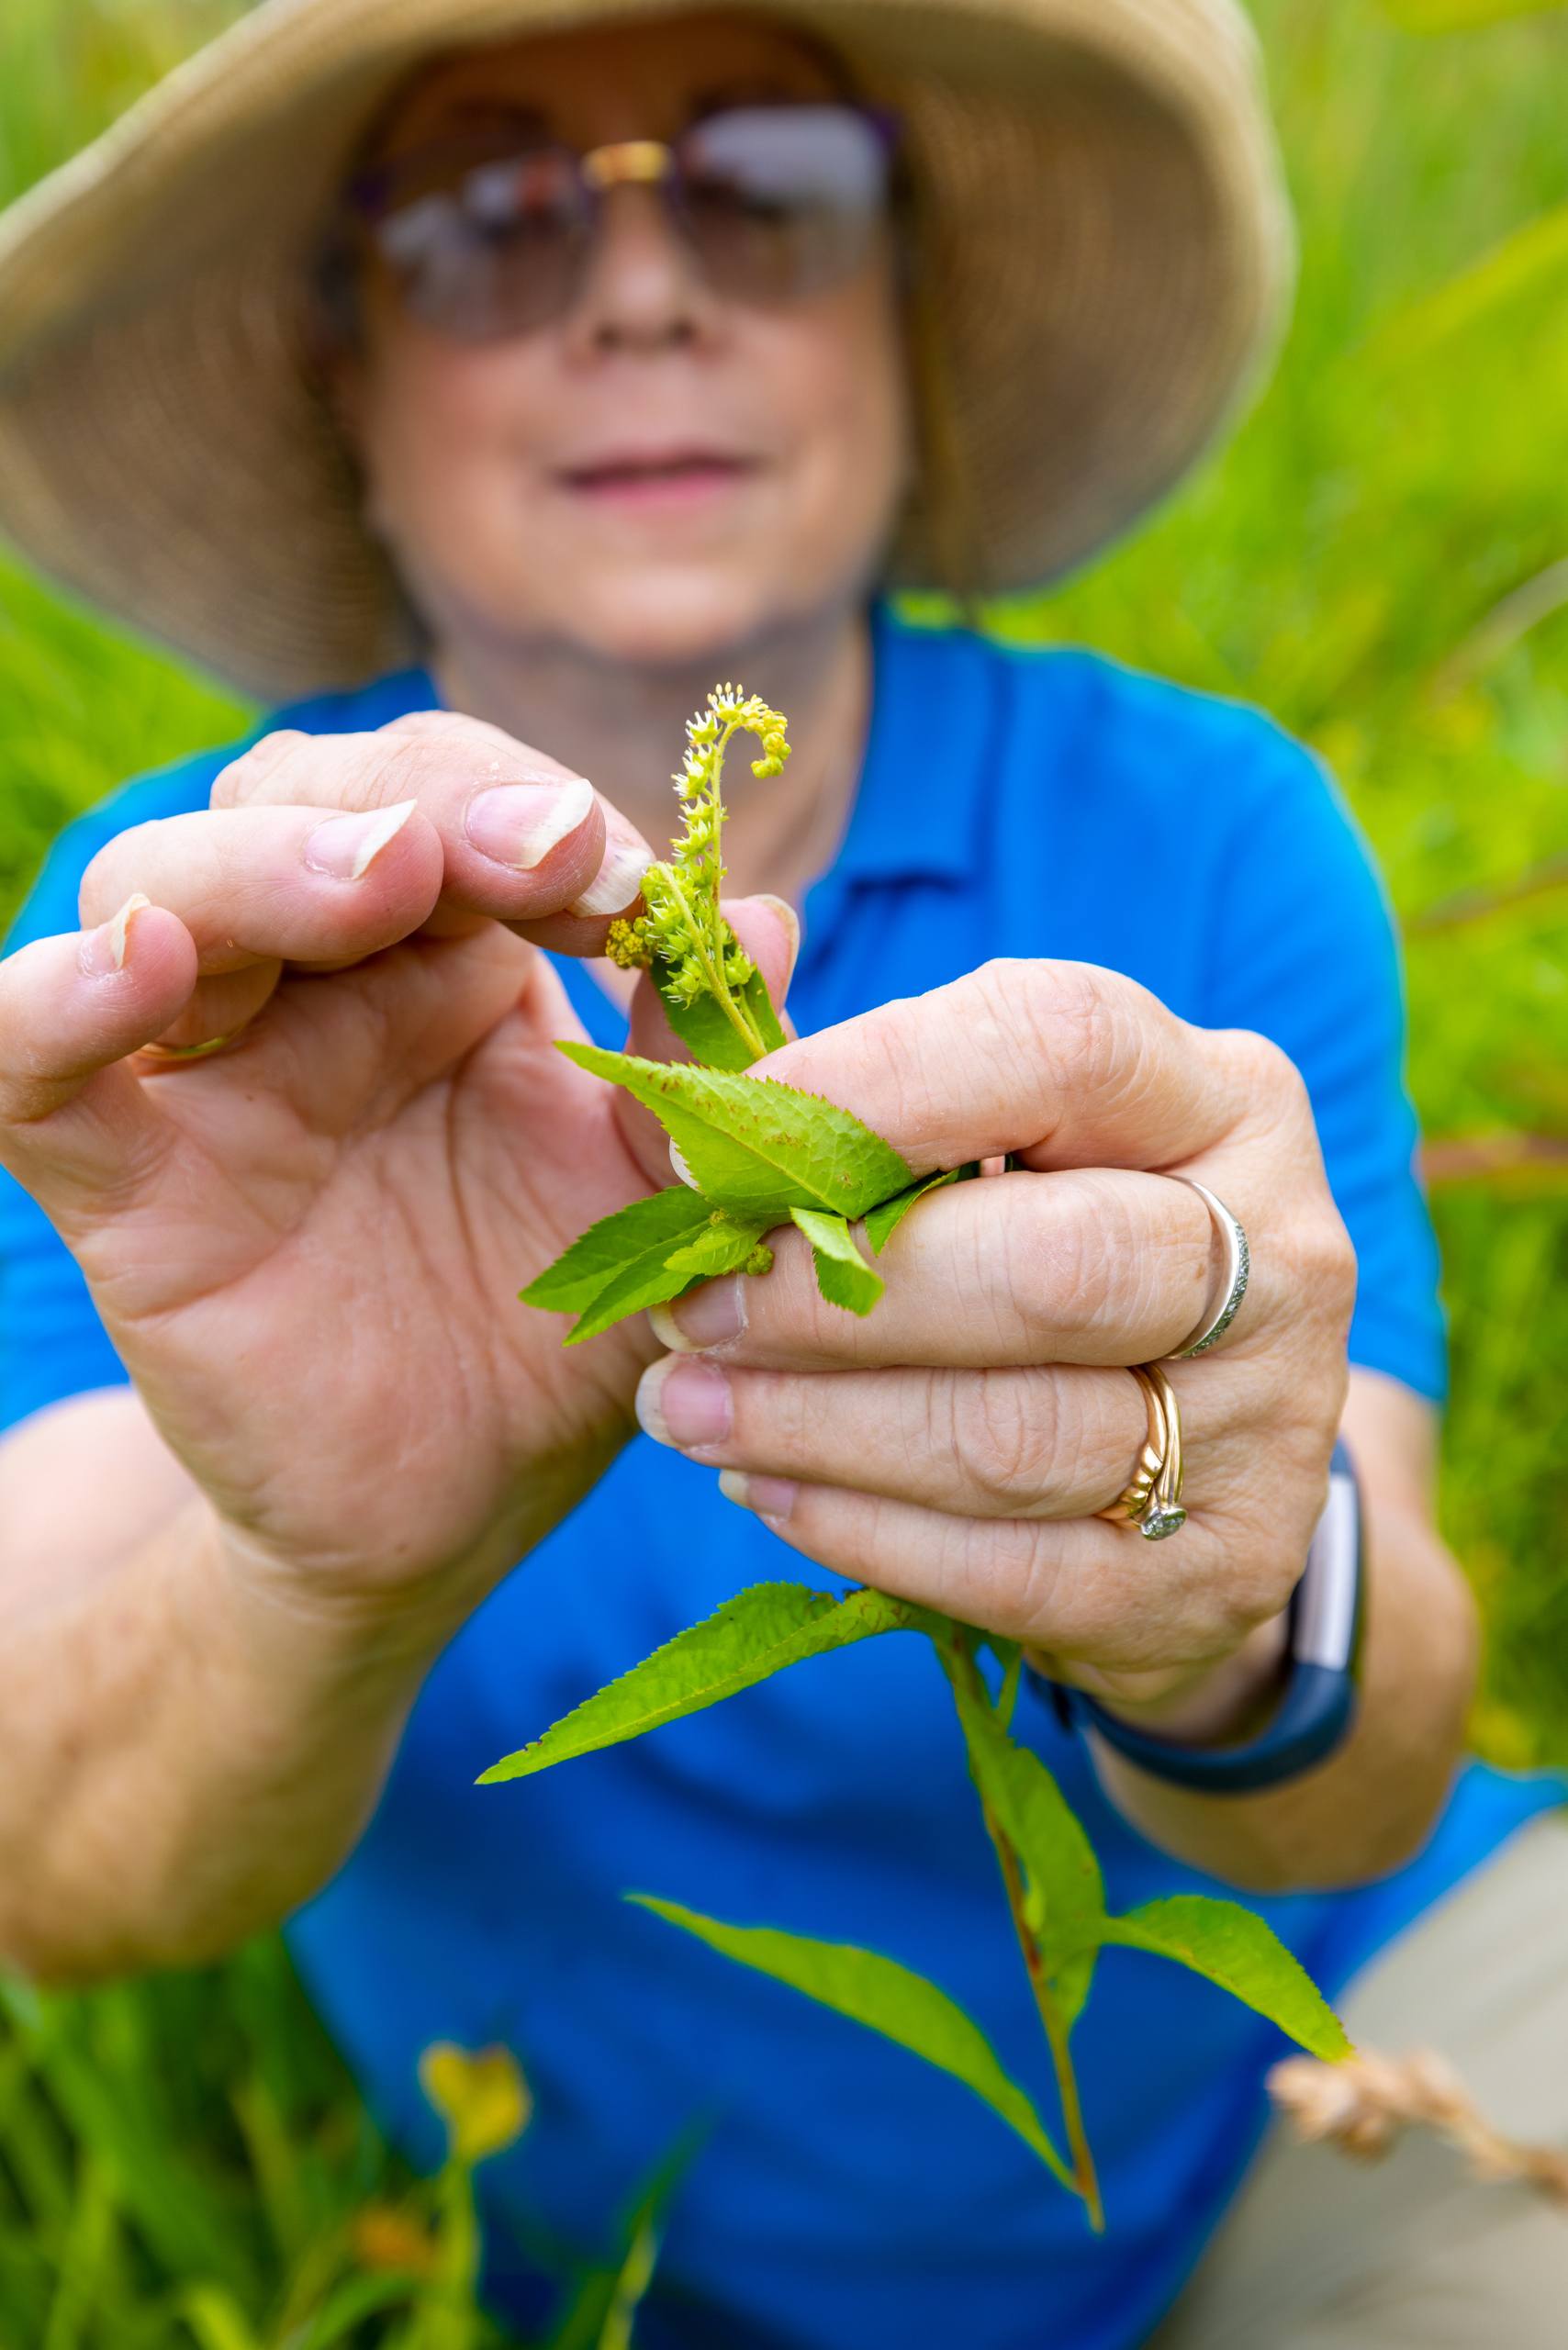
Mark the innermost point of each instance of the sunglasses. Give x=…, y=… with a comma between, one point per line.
x=774, y=202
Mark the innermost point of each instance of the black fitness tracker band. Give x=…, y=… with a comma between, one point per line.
x=1318, y=1701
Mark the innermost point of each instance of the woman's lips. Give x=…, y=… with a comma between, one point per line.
x=682, y=478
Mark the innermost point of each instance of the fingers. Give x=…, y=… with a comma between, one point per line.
x=1083, y=1590
x=1063, y=1064
x=1081, y=1266
x=1057, y=1443
x=522, y=840
x=223, y=1007
x=353, y=1052
x=256, y=885
x=72, y=1124
x=318, y=851
x=259, y=886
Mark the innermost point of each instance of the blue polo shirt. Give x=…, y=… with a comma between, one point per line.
x=1035, y=803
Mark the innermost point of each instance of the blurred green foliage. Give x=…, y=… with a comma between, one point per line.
x=1380, y=558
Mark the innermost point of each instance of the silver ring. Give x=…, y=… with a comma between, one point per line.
x=1237, y=1265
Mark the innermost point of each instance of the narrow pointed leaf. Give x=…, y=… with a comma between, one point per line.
x=710, y=1036
x=1233, y=1947
x=883, y=1221
x=719, y=1246
x=615, y=1242
x=843, y=1275
x=651, y=1281
x=604, y=2297
x=877, y=1991
x=1058, y=1859
x=756, y=1633
x=753, y=1143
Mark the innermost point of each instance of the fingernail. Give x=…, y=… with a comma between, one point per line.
x=104, y=950
x=618, y=881
x=707, y=1318
x=345, y=845
x=519, y=824
x=682, y=1171
x=771, y=1498
x=789, y=922
x=682, y=1402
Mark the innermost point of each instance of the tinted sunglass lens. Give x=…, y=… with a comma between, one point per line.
x=494, y=254
x=781, y=201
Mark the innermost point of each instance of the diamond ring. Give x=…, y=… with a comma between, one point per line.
x=1153, y=1501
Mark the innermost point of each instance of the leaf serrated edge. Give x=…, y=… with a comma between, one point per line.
x=527, y=1760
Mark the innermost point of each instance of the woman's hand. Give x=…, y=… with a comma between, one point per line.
x=955, y=1447
x=308, y=1246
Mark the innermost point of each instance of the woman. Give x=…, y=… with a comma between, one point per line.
x=499, y=387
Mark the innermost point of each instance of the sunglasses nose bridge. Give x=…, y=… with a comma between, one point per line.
x=635, y=162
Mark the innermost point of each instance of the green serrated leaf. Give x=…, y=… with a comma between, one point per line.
x=653, y=1279
x=612, y=1245
x=719, y=1246
x=843, y=1275
x=1233, y=1947
x=883, y=1221
x=754, y=1634
x=709, y=1036
x=877, y=1991
x=753, y=1143
x=1062, y=1872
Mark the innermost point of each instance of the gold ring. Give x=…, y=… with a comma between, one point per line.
x=178, y=1052
x=1153, y=1501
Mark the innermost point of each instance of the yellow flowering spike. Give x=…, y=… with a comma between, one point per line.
x=480, y=2095
x=683, y=927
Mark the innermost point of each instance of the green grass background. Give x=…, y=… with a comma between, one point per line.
x=1372, y=559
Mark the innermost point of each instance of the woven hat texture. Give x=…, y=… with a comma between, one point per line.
x=1103, y=258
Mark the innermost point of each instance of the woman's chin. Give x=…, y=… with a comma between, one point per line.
x=671, y=620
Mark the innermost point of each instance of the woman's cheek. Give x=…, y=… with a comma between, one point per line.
x=858, y=482
x=448, y=484
x=853, y=396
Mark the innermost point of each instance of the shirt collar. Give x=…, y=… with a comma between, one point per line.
x=916, y=812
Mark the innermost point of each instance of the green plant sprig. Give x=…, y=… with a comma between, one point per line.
x=1055, y=1892
x=760, y=1154
x=682, y=936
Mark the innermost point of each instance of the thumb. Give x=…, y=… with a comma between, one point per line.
x=769, y=930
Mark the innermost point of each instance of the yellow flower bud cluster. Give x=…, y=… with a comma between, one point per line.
x=683, y=929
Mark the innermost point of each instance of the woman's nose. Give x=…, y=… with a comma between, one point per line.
x=642, y=290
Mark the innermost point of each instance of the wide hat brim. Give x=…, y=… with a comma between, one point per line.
x=1104, y=258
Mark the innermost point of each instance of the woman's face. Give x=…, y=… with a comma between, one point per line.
x=659, y=472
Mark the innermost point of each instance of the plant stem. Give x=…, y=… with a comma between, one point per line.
x=718, y=985
x=733, y=1012
x=963, y=1672
x=1056, y=2030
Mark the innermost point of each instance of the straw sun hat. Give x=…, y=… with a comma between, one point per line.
x=1103, y=261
